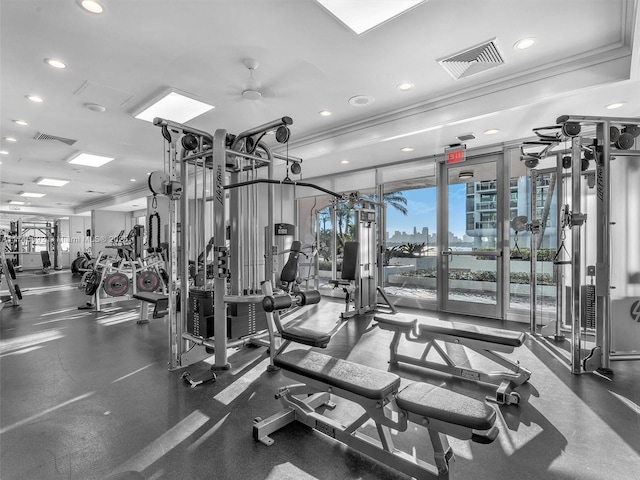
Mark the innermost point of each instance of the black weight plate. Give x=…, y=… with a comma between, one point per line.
x=116, y=284
x=18, y=292
x=10, y=269
x=76, y=265
x=148, y=281
x=92, y=282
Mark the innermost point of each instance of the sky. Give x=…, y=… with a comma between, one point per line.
x=421, y=204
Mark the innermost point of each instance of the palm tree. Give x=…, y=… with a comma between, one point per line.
x=396, y=200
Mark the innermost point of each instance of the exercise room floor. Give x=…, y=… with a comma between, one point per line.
x=88, y=396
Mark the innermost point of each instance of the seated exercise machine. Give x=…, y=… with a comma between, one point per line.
x=484, y=340
x=358, y=282
x=8, y=274
x=378, y=394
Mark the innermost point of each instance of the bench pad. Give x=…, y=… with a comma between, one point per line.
x=306, y=336
x=473, y=332
x=397, y=321
x=448, y=406
x=355, y=378
x=150, y=297
x=457, y=329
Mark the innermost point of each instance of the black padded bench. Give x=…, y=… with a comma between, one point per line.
x=483, y=340
x=442, y=411
x=160, y=302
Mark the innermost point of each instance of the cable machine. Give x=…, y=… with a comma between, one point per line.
x=216, y=260
x=589, y=305
x=363, y=267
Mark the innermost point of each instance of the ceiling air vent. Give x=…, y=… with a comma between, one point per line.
x=44, y=137
x=472, y=60
x=95, y=192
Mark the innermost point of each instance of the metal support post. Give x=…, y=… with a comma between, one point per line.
x=175, y=323
x=576, y=259
x=220, y=250
x=179, y=328
x=559, y=269
x=603, y=239
x=533, y=280
x=382, y=238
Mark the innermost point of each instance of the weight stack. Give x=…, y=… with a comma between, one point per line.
x=245, y=319
x=200, y=314
x=588, y=306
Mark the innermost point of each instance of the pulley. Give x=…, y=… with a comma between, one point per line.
x=116, y=284
x=625, y=142
x=634, y=130
x=282, y=134
x=571, y=129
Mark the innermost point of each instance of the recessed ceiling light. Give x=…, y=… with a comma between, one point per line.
x=95, y=107
x=344, y=161
x=465, y=175
x=324, y=113
x=407, y=149
x=148, y=173
x=491, y=131
x=4, y=152
x=91, y=6
x=524, y=43
x=90, y=159
x=10, y=139
x=132, y=179
x=55, y=63
x=51, y=182
x=16, y=202
x=35, y=98
x=404, y=86
x=361, y=100
x=173, y=105
x=31, y=194
x=20, y=122
x=613, y=106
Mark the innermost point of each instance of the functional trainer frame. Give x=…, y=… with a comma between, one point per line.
x=603, y=150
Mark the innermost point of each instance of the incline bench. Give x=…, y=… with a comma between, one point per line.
x=483, y=340
x=160, y=305
x=442, y=412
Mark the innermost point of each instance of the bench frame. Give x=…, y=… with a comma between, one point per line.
x=507, y=380
x=302, y=401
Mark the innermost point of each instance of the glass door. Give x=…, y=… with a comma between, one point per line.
x=470, y=264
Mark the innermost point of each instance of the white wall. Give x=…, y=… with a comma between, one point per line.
x=78, y=241
x=105, y=226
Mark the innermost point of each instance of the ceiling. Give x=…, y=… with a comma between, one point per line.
x=586, y=56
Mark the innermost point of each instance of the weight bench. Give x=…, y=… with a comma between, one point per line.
x=442, y=412
x=160, y=302
x=483, y=340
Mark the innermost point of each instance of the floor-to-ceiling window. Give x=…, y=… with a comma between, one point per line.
x=410, y=271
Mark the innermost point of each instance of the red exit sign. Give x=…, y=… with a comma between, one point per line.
x=456, y=154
